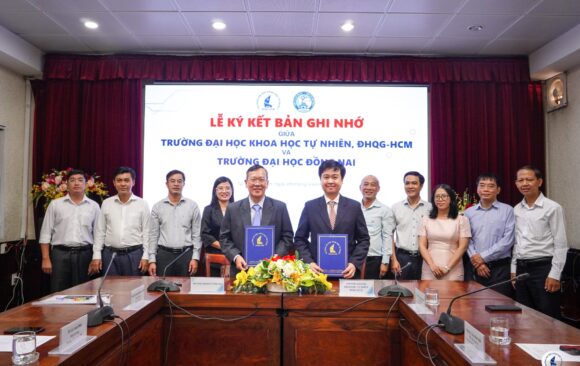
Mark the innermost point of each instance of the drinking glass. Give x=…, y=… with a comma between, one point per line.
x=499, y=329
x=24, y=348
x=431, y=296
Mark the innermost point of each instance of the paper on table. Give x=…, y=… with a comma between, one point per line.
x=538, y=350
x=68, y=300
x=6, y=342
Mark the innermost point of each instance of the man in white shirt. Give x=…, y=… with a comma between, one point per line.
x=66, y=237
x=408, y=215
x=122, y=227
x=541, y=245
x=175, y=228
x=380, y=224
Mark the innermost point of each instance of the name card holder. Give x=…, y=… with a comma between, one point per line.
x=207, y=286
x=474, y=347
x=356, y=288
x=72, y=337
x=137, y=299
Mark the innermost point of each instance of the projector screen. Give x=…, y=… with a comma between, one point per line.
x=212, y=130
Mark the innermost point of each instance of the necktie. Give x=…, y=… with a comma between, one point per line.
x=332, y=214
x=257, y=215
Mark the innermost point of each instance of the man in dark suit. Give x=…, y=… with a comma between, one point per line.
x=255, y=210
x=318, y=216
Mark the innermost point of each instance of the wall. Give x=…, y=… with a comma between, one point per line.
x=563, y=158
x=12, y=114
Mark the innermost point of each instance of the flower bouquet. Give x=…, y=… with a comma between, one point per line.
x=465, y=200
x=53, y=186
x=281, y=274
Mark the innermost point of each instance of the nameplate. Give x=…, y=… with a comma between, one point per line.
x=259, y=244
x=333, y=253
x=207, y=286
x=474, y=347
x=72, y=337
x=357, y=288
x=137, y=299
x=419, y=296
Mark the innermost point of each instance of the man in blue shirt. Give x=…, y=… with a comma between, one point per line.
x=492, y=235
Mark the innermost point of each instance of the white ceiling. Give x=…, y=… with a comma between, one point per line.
x=382, y=27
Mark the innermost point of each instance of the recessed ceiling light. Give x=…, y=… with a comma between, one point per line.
x=91, y=24
x=475, y=28
x=347, y=27
x=218, y=25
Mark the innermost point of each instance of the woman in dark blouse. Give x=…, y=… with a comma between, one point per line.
x=213, y=214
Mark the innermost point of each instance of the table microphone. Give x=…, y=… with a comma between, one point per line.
x=396, y=289
x=99, y=315
x=455, y=325
x=164, y=285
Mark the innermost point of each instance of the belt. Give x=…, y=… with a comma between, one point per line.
x=66, y=248
x=499, y=262
x=534, y=261
x=174, y=250
x=410, y=253
x=126, y=250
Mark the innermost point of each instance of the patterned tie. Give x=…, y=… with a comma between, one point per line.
x=332, y=214
x=257, y=215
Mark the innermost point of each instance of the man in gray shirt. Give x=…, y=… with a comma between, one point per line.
x=175, y=227
x=380, y=224
x=408, y=214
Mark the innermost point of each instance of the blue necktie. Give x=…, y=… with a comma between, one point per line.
x=257, y=215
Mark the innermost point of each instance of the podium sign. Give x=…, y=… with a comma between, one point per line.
x=259, y=244
x=333, y=253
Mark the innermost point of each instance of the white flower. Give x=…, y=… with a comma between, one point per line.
x=279, y=263
x=288, y=269
x=90, y=182
x=45, y=186
x=57, y=180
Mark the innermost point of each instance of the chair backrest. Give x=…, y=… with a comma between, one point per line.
x=219, y=259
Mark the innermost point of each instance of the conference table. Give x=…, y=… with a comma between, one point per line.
x=180, y=328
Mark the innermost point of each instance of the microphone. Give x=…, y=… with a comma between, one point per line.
x=164, y=285
x=396, y=289
x=455, y=325
x=99, y=315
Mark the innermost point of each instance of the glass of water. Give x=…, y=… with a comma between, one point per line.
x=431, y=296
x=24, y=348
x=499, y=329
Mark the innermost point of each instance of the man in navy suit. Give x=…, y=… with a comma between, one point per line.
x=256, y=210
x=317, y=217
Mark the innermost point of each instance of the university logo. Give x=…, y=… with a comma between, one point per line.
x=303, y=102
x=552, y=359
x=332, y=248
x=268, y=101
x=259, y=240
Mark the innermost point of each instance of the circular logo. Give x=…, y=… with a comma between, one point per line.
x=552, y=358
x=303, y=102
x=259, y=240
x=268, y=101
x=332, y=248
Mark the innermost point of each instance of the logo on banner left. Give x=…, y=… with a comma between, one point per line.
x=268, y=101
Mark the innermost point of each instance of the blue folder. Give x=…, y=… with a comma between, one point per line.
x=259, y=244
x=333, y=253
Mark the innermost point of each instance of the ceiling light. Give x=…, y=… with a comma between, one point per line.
x=475, y=28
x=347, y=27
x=219, y=25
x=91, y=24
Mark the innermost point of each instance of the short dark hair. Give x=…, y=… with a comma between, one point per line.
x=537, y=172
x=332, y=165
x=453, y=210
x=218, y=181
x=255, y=167
x=173, y=172
x=488, y=176
x=416, y=174
x=123, y=170
x=76, y=172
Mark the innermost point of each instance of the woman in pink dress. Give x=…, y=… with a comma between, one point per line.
x=443, y=237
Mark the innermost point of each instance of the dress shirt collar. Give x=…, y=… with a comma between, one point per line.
x=83, y=201
x=420, y=203
x=493, y=205
x=539, y=202
x=132, y=198
x=335, y=200
x=167, y=200
x=375, y=203
x=261, y=203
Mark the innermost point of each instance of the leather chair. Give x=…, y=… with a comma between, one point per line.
x=218, y=259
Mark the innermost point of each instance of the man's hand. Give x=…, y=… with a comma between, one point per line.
x=477, y=260
x=349, y=271
x=241, y=263
x=96, y=266
x=143, y=265
x=513, y=276
x=552, y=285
x=395, y=266
x=152, y=269
x=384, y=270
x=46, y=265
x=315, y=268
x=192, y=266
x=483, y=271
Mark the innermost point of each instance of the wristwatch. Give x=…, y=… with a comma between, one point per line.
x=447, y=269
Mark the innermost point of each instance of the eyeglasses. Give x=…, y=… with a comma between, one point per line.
x=223, y=189
x=441, y=197
x=257, y=180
